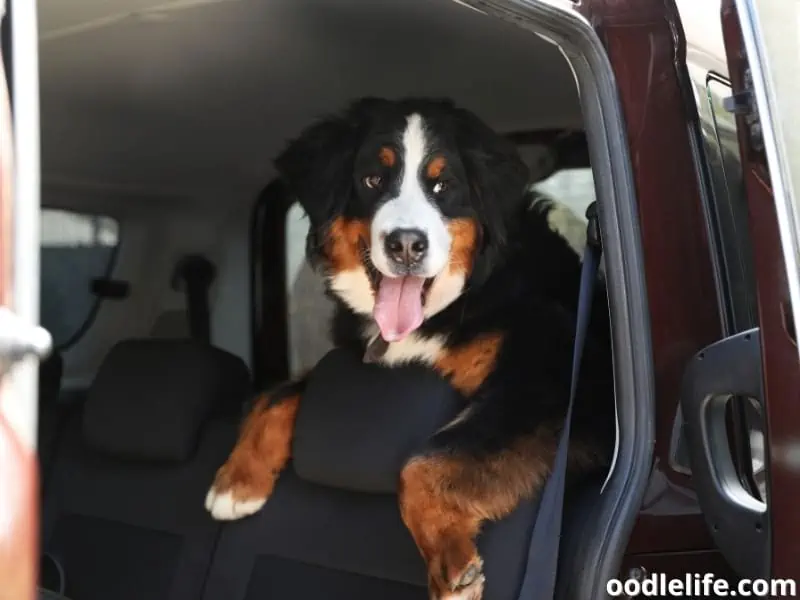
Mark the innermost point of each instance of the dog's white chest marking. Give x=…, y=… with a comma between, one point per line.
x=413, y=348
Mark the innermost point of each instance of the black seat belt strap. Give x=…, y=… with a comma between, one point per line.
x=539, y=582
x=194, y=274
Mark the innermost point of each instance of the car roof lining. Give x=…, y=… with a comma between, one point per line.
x=193, y=98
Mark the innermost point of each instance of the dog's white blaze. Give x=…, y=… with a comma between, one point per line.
x=411, y=209
x=353, y=286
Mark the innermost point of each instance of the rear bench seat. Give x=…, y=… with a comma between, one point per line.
x=124, y=514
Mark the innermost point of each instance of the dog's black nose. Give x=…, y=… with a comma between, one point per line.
x=406, y=247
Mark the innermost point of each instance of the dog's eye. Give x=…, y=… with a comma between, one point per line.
x=373, y=181
x=439, y=187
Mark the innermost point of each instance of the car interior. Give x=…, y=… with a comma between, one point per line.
x=174, y=286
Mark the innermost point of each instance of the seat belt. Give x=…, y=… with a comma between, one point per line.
x=193, y=275
x=539, y=582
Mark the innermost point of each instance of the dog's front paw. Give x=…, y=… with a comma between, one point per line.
x=456, y=575
x=456, y=581
x=225, y=506
x=236, y=494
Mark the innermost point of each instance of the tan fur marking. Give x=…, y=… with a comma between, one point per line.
x=387, y=157
x=262, y=450
x=435, y=167
x=342, y=244
x=445, y=499
x=469, y=365
x=464, y=236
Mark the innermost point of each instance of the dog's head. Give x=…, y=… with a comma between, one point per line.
x=408, y=202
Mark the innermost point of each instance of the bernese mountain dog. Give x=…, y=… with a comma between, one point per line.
x=436, y=251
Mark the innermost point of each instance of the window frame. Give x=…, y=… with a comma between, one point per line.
x=269, y=323
x=108, y=272
x=731, y=253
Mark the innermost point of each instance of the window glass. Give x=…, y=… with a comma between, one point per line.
x=310, y=309
x=730, y=210
x=573, y=187
x=76, y=248
x=731, y=241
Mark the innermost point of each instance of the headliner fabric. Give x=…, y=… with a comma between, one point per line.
x=359, y=423
x=151, y=397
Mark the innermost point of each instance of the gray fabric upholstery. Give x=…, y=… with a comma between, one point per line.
x=137, y=529
x=50, y=413
x=43, y=594
x=130, y=530
x=319, y=530
x=328, y=531
x=356, y=432
x=151, y=397
x=122, y=525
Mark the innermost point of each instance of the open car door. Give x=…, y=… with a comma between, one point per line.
x=21, y=340
x=757, y=526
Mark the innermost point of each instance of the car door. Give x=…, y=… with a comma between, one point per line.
x=747, y=468
x=21, y=340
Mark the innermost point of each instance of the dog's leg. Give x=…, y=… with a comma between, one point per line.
x=468, y=476
x=246, y=480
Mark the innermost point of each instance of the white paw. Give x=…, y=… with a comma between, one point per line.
x=223, y=506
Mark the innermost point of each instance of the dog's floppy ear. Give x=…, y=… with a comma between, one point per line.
x=318, y=165
x=497, y=175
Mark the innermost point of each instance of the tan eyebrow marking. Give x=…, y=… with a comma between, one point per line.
x=387, y=156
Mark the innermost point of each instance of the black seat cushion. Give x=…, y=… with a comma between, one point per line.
x=359, y=423
x=332, y=528
x=151, y=397
x=347, y=545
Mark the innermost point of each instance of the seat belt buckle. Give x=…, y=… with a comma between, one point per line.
x=593, y=237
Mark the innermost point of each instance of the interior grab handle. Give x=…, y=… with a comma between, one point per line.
x=738, y=522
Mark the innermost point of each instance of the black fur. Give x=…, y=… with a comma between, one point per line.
x=524, y=282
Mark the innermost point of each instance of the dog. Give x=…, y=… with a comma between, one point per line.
x=436, y=251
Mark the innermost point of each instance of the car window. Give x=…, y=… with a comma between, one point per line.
x=727, y=214
x=730, y=204
x=75, y=249
x=309, y=308
x=573, y=187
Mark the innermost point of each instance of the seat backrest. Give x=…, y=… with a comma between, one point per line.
x=124, y=514
x=332, y=528
x=51, y=370
x=51, y=412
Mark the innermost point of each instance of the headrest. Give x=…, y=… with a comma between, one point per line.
x=150, y=398
x=359, y=423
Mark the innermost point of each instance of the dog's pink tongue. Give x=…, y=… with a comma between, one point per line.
x=398, y=306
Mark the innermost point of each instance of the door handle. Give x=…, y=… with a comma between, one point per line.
x=738, y=522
